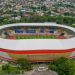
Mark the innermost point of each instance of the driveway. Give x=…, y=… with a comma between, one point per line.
x=44, y=72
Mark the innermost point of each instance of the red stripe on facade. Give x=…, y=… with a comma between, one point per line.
x=36, y=51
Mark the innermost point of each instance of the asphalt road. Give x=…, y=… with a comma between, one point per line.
x=46, y=72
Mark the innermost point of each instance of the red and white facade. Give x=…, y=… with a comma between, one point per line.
x=37, y=49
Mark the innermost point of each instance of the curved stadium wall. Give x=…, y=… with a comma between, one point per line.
x=45, y=48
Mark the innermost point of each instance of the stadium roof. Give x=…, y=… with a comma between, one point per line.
x=37, y=44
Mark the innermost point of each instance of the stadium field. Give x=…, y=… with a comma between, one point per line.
x=35, y=37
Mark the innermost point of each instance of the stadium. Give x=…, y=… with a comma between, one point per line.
x=37, y=42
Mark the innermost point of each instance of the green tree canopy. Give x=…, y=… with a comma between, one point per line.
x=63, y=66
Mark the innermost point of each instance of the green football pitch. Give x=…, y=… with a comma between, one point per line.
x=35, y=37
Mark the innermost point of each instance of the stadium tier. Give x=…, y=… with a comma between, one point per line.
x=37, y=42
x=36, y=32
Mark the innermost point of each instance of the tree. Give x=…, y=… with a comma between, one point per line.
x=6, y=68
x=24, y=64
x=44, y=8
x=63, y=66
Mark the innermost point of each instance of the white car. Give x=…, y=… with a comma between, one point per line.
x=42, y=69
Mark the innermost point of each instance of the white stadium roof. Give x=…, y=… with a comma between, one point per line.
x=37, y=44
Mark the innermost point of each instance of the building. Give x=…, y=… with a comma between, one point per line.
x=37, y=42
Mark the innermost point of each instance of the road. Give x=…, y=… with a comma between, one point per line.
x=46, y=72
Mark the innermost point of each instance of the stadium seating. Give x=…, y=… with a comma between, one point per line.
x=33, y=33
